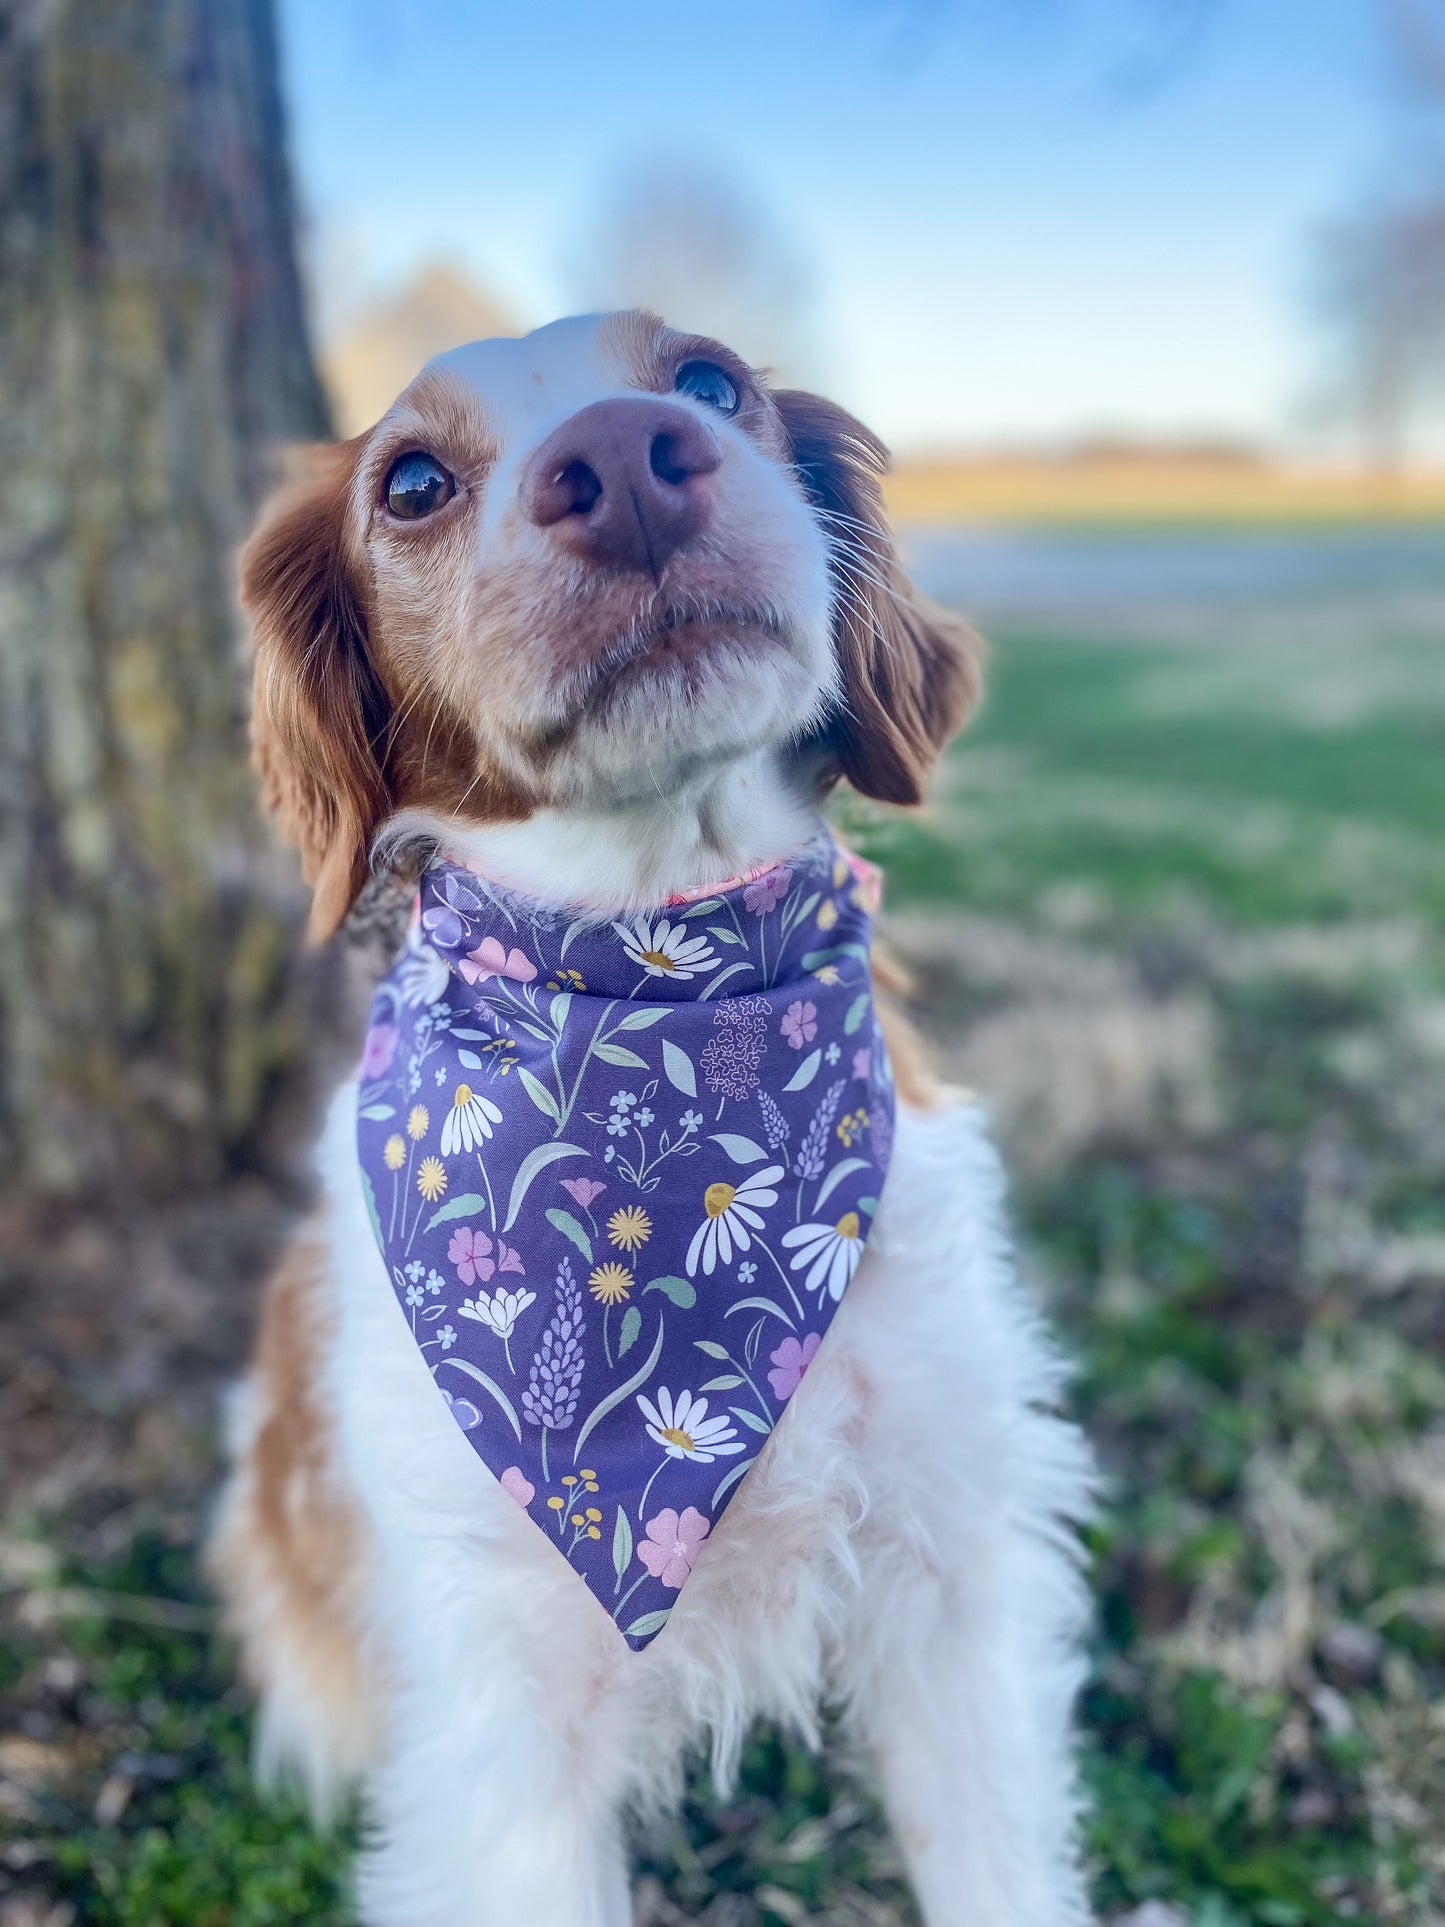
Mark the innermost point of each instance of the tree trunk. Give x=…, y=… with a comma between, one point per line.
x=152, y=353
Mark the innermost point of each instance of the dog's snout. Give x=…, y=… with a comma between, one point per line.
x=624, y=483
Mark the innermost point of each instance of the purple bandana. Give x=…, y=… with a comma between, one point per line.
x=621, y=1175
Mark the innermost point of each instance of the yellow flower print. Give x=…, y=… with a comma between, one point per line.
x=717, y=1198
x=827, y=974
x=852, y=1126
x=573, y=1508
x=840, y=871
x=431, y=1179
x=827, y=914
x=629, y=1226
x=610, y=1284
x=418, y=1122
x=393, y=1152
x=567, y=980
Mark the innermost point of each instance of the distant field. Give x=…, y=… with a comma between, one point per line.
x=1256, y=759
x=1154, y=489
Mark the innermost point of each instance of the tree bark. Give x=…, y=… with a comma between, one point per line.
x=153, y=352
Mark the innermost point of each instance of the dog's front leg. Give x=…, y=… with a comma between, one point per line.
x=964, y=1648
x=481, y=1817
x=968, y=1676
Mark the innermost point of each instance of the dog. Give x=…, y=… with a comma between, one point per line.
x=602, y=617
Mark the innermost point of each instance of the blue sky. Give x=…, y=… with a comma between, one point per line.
x=1001, y=239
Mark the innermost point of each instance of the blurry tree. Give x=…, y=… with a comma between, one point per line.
x=688, y=242
x=1383, y=270
x=152, y=350
x=1384, y=297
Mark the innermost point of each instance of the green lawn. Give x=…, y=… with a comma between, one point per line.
x=1179, y=913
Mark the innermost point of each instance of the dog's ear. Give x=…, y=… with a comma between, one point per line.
x=319, y=713
x=910, y=673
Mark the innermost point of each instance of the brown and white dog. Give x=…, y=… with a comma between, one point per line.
x=610, y=615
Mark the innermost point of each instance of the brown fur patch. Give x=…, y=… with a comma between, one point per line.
x=911, y=672
x=289, y=1551
x=649, y=353
x=318, y=708
x=346, y=726
x=631, y=338
x=443, y=414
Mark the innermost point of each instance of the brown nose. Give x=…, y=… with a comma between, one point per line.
x=625, y=483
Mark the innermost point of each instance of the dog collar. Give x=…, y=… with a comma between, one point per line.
x=621, y=1173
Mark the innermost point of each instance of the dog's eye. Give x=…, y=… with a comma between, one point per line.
x=709, y=384
x=417, y=485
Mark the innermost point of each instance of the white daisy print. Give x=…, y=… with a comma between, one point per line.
x=684, y=1430
x=498, y=1311
x=664, y=949
x=468, y=1121
x=831, y=1250
x=730, y=1211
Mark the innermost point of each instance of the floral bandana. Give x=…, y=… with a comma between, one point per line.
x=621, y=1175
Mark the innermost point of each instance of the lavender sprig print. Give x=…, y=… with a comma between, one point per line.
x=774, y=1123
x=555, y=1379
x=813, y=1151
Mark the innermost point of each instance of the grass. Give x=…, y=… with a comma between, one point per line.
x=153, y=1817
x=1178, y=912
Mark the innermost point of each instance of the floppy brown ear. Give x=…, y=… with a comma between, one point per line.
x=910, y=671
x=319, y=714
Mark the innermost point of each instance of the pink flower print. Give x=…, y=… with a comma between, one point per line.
x=669, y=1551
x=471, y=1252
x=770, y=888
x=791, y=1360
x=508, y=1259
x=378, y=1050
x=515, y=1481
x=799, y=1025
x=490, y=960
x=585, y=1190
x=863, y=1064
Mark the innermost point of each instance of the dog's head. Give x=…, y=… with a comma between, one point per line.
x=578, y=568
